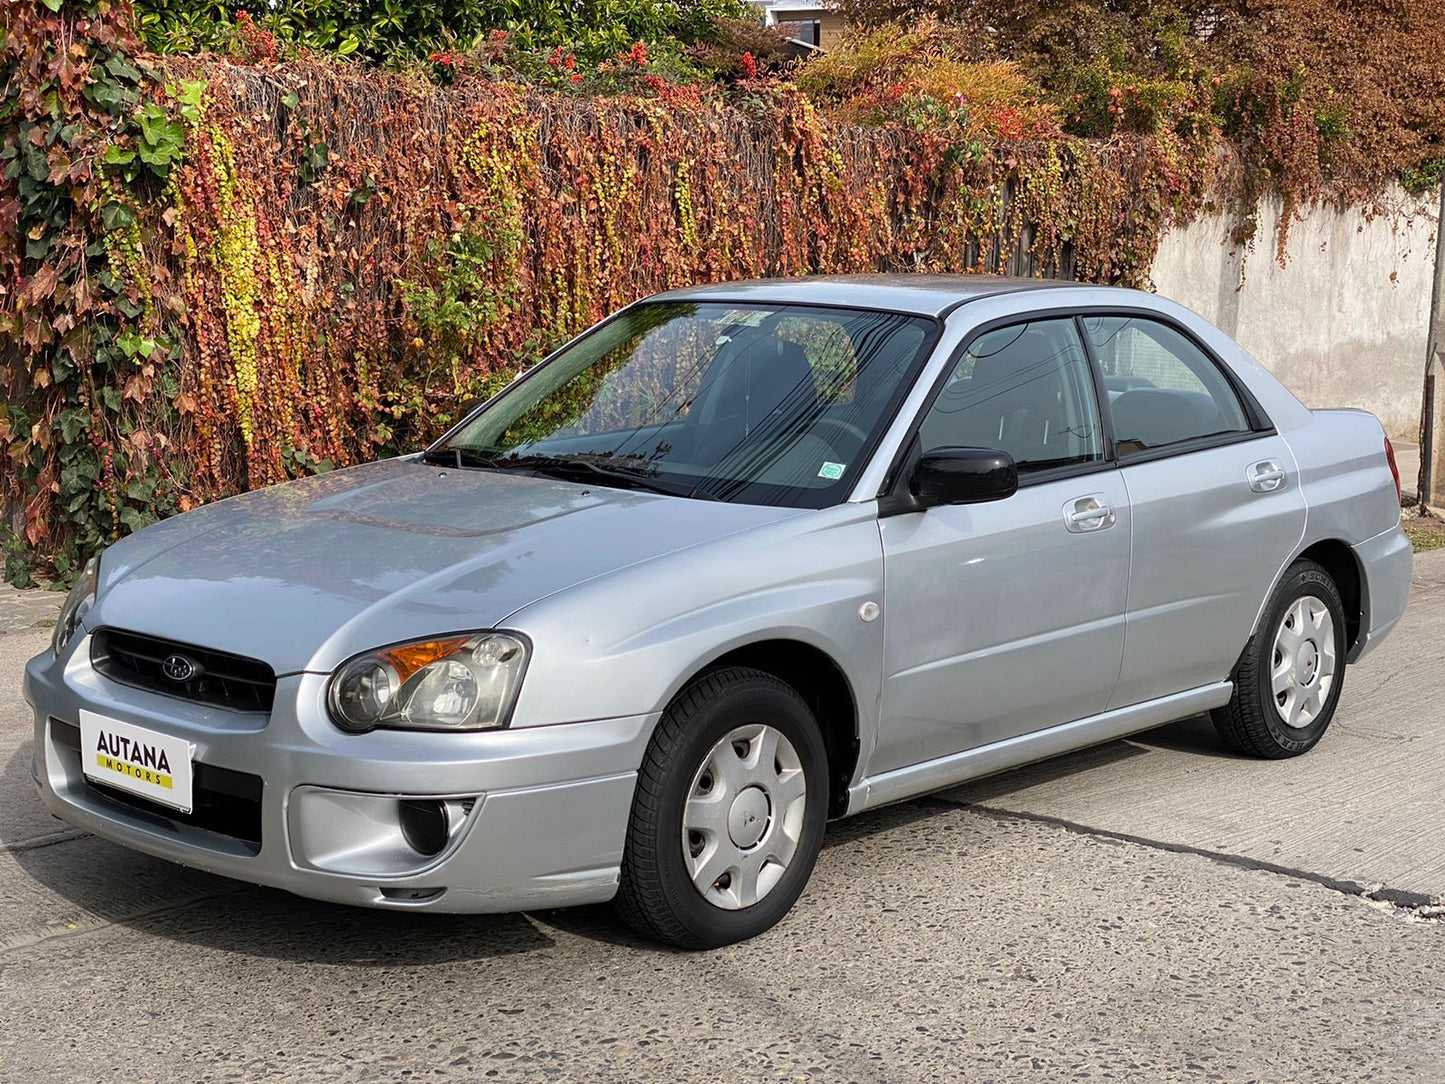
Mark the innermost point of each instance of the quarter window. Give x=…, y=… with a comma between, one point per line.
x=1025, y=389
x=1162, y=388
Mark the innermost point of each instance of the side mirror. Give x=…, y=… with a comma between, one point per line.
x=963, y=476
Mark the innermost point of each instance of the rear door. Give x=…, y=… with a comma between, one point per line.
x=1215, y=502
x=1007, y=617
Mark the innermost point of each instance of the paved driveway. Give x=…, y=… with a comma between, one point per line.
x=1151, y=909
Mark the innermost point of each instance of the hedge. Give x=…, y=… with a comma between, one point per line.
x=219, y=275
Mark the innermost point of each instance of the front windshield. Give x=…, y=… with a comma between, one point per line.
x=749, y=403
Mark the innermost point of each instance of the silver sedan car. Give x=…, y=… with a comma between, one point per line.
x=740, y=559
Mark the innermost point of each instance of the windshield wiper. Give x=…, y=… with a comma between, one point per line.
x=570, y=469
x=459, y=458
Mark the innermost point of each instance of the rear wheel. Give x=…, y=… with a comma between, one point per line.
x=728, y=816
x=1288, y=680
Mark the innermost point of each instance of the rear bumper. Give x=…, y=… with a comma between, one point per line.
x=1387, y=562
x=522, y=818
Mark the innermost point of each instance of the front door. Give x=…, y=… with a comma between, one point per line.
x=1007, y=617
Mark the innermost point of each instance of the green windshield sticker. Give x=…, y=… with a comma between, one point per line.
x=831, y=471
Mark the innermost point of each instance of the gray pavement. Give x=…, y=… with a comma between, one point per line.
x=21, y=610
x=1149, y=910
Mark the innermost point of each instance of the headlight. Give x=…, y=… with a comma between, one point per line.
x=457, y=683
x=77, y=604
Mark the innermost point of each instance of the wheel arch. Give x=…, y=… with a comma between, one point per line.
x=822, y=683
x=1338, y=558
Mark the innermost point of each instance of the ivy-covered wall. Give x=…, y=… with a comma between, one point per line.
x=215, y=275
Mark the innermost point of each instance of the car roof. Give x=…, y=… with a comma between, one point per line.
x=925, y=295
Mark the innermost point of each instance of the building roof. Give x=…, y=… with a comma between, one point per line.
x=790, y=5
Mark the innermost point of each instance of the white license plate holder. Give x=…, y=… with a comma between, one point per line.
x=137, y=760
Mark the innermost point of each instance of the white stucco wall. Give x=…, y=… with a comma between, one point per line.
x=1343, y=323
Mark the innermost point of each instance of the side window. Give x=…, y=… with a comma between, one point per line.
x=1025, y=389
x=1162, y=388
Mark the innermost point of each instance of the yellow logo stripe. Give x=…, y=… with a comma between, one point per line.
x=145, y=775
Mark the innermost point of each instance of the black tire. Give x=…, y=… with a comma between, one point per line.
x=657, y=896
x=1251, y=723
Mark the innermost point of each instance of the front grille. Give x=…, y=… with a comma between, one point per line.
x=223, y=801
x=225, y=681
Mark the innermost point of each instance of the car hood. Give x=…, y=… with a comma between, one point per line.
x=306, y=574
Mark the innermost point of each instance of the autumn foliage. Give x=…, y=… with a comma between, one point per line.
x=219, y=272
x=1322, y=98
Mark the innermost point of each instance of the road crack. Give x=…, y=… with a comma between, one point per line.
x=1413, y=905
x=36, y=842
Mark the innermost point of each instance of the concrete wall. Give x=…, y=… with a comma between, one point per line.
x=1344, y=323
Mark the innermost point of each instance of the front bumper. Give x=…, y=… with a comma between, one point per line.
x=533, y=817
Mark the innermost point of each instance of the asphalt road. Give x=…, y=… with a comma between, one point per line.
x=1149, y=910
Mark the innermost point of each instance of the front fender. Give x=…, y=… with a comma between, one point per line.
x=626, y=643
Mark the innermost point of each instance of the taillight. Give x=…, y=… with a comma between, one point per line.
x=1394, y=469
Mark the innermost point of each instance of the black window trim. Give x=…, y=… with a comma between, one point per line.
x=1258, y=421
x=892, y=494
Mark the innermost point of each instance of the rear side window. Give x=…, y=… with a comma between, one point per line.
x=1025, y=389
x=1162, y=388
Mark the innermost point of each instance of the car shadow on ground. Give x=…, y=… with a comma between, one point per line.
x=602, y=923
x=1193, y=735
x=99, y=878
x=109, y=883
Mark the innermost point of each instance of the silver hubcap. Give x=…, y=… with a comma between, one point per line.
x=744, y=816
x=1302, y=669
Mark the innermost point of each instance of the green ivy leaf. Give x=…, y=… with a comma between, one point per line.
x=116, y=216
x=135, y=520
x=191, y=97
x=117, y=67
x=142, y=489
x=71, y=424
x=132, y=345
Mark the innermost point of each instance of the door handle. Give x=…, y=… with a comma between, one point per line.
x=1085, y=514
x=1266, y=476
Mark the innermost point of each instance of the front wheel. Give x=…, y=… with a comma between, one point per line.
x=1288, y=680
x=728, y=816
